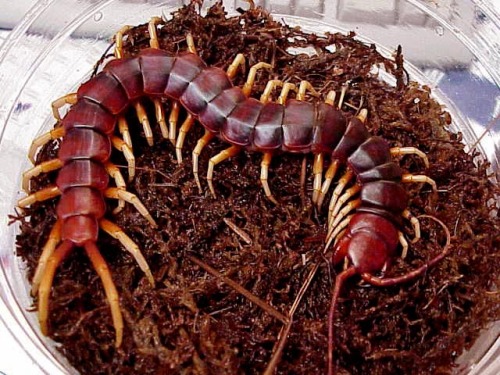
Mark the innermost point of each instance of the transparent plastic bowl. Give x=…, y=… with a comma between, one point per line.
x=451, y=46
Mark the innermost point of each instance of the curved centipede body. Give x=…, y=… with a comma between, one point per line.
x=364, y=221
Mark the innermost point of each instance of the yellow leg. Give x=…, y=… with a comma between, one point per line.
x=415, y=224
x=247, y=87
x=342, y=214
x=117, y=176
x=287, y=87
x=395, y=151
x=124, y=131
x=62, y=101
x=349, y=193
x=223, y=155
x=202, y=142
x=44, y=139
x=344, y=180
x=46, y=166
x=119, y=41
x=39, y=196
x=239, y=61
x=116, y=232
x=407, y=178
x=117, y=193
x=303, y=88
x=404, y=244
x=112, y=297
x=143, y=118
x=329, y=176
x=120, y=145
x=186, y=126
x=264, y=171
x=160, y=117
x=318, y=174
x=46, y=283
x=333, y=236
x=153, y=36
x=270, y=86
x=47, y=251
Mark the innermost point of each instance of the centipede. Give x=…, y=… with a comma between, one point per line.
x=366, y=208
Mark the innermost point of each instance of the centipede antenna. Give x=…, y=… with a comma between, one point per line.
x=160, y=117
x=339, y=283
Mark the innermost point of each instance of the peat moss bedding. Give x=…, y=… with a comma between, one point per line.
x=192, y=322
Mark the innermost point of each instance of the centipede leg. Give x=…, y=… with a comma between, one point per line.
x=143, y=118
x=61, y=102
x=264, y=171
x=318, y=174
x=127, y=196
x=117, y=176
x=153, y=35
x=239, y=61
x=124, y=131
x=45, y=167
x=415, y=224
x=160, y=117
x=44, y=139
x=285, y=91
x=349, y=193
x=116, y=232
x=202, y=142
x=270, y=86
x=172, y=121
x=46, y=282
x=397, y=151
x=337, y=231
x=39, y=196
x=120, y=145
x=102, y=270
x=409, y=178
x=404, y=244
x=119, y=41
x=247, y=87
x=347, y=208
x=304, y=87
x=47, y=251
x=344, y=180
x=329, y=176
x=223, y=155
x=185, y=127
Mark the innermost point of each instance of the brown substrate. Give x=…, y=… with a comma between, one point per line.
x=192, y=322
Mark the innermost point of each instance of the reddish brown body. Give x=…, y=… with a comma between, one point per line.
x=207, y=93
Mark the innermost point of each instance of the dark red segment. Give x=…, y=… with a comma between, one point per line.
x=369, y=250
x=330, y=126
x=80, y=229
x=387, y=195
x=106, y=90
x=87, y=114
x=185, y=69
x=215, y=114
x=81, y=201
x=268, y=134
x=298, y=122
x=210, y=83
x=388, y=171
x=81, y=143
x=156, y=66
x=353, y=137
x=82, y=173
x=128, y=73
x=241, y=122
x=374, y=151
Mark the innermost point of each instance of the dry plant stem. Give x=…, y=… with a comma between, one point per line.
x=237, y=287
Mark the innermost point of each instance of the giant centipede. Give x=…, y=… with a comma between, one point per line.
x=365, y=231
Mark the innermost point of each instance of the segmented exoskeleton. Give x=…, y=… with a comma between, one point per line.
x=364, y=221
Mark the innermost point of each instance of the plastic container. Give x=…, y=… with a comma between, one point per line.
x=454, y=47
